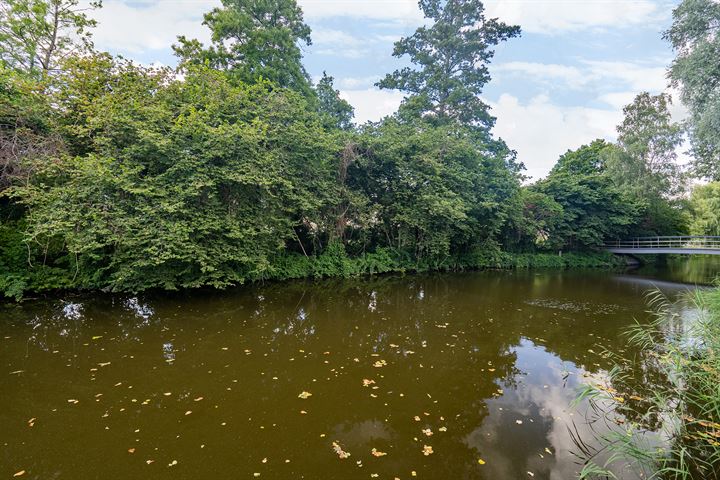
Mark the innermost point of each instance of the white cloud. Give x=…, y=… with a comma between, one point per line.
x=640, y=77
x=536, y=16
x=357, y=83
x=573, y=77
x=149, y=25
x=636, y=76
x=372, y=104
x=558, y=16
x=541, y=131
x=398, y=10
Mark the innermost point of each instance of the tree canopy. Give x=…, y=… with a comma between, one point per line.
x=35, y=35
x=253, y=40
x=695, y=36
x=450, y=61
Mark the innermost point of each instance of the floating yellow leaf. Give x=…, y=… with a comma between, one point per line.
x=340, y=452
x=19, y=474
x=427, y=450
x=305, y=395
x=481, y=461
x=131, y=450
x=428, y=432
x=367, y=382
x=377, y=453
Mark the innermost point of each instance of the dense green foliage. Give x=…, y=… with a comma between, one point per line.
x=121, y=177
x=695, y=36
x=705, y=210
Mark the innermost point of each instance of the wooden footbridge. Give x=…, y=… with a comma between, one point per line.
x=689, y=245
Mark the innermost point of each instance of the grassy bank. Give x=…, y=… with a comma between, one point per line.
x=675, y=392
x=334, y=262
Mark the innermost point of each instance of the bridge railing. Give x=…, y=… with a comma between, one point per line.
x=679, y=242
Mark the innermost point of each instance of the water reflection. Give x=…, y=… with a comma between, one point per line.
x=478, y=366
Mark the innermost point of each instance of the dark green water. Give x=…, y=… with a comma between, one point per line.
x=475, y=366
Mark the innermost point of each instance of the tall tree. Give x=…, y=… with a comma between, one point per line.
x=450, y=62
x=337, y=112
x=649, y=139
x=253, y=39
x=35, y=35
x=695, y=36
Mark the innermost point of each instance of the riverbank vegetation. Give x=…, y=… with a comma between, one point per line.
x=678, y=372
x=237, y=167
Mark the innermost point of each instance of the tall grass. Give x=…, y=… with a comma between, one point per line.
x=661, y=409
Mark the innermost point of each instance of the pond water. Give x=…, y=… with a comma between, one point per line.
x=462, y=376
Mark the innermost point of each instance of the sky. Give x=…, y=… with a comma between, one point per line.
x=562, y=84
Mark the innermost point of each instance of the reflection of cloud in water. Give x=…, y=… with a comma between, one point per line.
x=141, y=310
x=362, y=433
x=372, y=305
x=168, y=352
x=541, y=402
x=72, y=311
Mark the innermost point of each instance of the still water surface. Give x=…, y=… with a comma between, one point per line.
x=447, y=376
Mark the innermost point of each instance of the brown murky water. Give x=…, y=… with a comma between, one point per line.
x=448, y=376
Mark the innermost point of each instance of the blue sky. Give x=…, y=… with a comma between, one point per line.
x=562, y=84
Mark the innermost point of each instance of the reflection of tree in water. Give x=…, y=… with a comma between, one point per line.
x=451, y=342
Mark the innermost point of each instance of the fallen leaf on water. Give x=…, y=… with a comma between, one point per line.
x=428, y=432
x=367, y=382
x=104, y=364
x=188, y=412
x=305, y=395
x=427, y=450
x=531, y=474
x=131, y=450
x=379, y=363
x=149, y=461
x=73, y=401
x=173, y=463
x=19, y=474
x=481, y=461
x=377, y=453
x=443, y=429
x=198, y=399
x=340, y=452
x=519, y=422
x=167, y=394
x=97, y=337
x=416, y=418
x=548, y=450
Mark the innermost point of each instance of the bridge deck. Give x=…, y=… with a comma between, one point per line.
x=684, y=245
